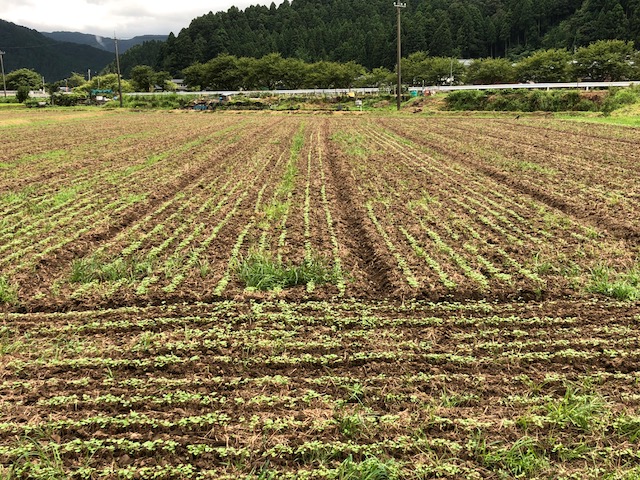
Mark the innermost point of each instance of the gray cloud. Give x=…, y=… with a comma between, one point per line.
x=127, y=18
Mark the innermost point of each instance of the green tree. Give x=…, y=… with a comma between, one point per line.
x=420, y=69
x=294, y=73
x=545, y=66
x=605, y=60
x=52, y=89
x=222, y=73
x=163, y=80
x=442, y=40
x=75, y=80
x=23, y=77
x=378, y=77
x=194, y=76
x=143, y=78
x=105, y=82
x=269, y=71
x=334, y=75
x=490, y=71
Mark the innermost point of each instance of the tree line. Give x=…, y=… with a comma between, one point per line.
x=604, y=60
x=363, y=31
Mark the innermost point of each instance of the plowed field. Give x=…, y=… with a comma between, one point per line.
x=468, y=327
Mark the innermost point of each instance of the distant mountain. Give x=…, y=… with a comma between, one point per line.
x=27, y=48
x=102, y=43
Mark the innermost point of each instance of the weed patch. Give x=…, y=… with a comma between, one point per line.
x=95, y=269
x=625, y=286
x=523, y=458
x=8, y=293
x=577, y=409
x=263, y=272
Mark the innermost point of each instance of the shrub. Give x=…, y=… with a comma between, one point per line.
x=22, y=94
x=523, y=101
x=466, y=100
x=68, y=100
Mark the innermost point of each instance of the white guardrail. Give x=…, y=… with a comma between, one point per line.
x=231, y=93
x=431, y=88
x=346, y=91
x=513, y=86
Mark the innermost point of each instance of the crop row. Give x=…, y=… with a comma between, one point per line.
x=314, y=388
x=446, y=221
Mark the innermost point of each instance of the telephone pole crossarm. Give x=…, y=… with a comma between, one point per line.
x=399, y=6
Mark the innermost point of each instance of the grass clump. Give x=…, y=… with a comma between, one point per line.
x=629, y=426
x=41, y=457
x=94, y=269
x=8, y=292
x=524, y=458
x=577, y=409
x=370, y=469
x=624, y=286
x=261, y=271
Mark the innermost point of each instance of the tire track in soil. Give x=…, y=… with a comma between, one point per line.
x=358, y=238
x=619, y=229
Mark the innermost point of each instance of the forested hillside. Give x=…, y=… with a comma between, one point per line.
x=364, y=30
x=103, y=43
x=26, y=48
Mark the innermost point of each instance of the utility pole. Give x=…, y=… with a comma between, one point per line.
x=399, y=6
x=4, y=83
x=118, y=69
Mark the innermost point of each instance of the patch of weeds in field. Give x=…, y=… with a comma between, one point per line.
x=614, y=198
x=524, y=458
x=625, y=286
x=592, y=232
x=11, y=198
x=425, y=202
x=96, y=269
x=351, y=425
x=275, y=211
x=370, y=469
x=353, y=144
x=39, y=457
x=577, y=409
x=356, y=392
x=261, y=271
x=628, y=426
x=556, y=220
x=8, y=291
x=55, y=156
x=533, y=167
x=572, y=452
x=453, y=399
x=541, y=265
x=262, y=473
x=133, y=198
x=203, y=267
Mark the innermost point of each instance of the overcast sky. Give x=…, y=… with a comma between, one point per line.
x=127, y=18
